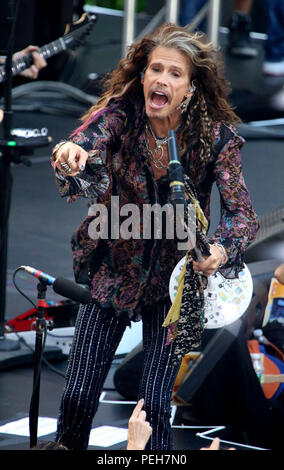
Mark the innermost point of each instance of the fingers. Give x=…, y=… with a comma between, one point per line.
x=210, y=264
x=138, y=414
x=38, y=62
x=215, y=445
x=139, y=430
x=204, y=267
x=81, y=162
x=33, y=72
x=70, y=159
x=28, y=50
x=137, y=410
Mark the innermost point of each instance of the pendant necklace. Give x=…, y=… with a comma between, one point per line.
x=158, y=154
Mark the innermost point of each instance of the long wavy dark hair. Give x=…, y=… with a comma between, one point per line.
x=209, y=102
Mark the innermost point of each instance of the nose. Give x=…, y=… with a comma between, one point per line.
x=162, y=79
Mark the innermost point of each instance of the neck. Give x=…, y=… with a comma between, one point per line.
x=161, y=127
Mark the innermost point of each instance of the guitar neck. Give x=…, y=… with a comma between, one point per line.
x=25, y=62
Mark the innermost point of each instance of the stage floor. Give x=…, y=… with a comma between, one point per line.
x=113, y=412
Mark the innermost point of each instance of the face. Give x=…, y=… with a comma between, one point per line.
x=166, y=83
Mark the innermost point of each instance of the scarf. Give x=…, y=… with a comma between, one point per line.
x=185, y=319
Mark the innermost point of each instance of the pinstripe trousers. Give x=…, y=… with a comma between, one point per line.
x=96, y=338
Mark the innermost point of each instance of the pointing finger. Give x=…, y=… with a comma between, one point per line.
x=137, y=409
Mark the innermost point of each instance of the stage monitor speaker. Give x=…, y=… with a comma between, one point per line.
x=127, y=376
x=222, y=388
x=209, y=357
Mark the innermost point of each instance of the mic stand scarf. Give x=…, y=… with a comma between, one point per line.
x=185, y=319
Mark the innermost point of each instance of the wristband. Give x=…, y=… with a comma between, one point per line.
x=224, y=254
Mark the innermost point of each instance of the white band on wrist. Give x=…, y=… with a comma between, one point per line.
x=224, y=254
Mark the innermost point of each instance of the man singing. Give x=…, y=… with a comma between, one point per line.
x=170, y=80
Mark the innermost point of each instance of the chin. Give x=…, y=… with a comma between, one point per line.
x=163, y=114
x=157, y=113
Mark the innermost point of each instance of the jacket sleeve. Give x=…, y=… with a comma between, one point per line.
x=99, y=139
x=238, y=223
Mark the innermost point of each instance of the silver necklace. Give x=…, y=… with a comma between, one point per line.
x=158, y=154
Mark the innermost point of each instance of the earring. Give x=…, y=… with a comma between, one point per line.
x=142, y=75
x=184, y=105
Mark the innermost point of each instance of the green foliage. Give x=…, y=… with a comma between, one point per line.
x=115, y=4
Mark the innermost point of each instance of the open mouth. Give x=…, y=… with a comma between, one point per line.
x=158, y=99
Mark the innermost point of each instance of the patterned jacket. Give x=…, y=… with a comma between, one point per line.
x=129, y=273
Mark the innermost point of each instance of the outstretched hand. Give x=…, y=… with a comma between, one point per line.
x=70, y=159
x=139, y=430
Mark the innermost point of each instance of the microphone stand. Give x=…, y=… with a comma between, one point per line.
x=41, y=328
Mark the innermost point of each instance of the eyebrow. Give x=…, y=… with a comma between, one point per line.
x=174, y=67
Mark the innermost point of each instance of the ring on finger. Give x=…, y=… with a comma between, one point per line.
x=65, y=167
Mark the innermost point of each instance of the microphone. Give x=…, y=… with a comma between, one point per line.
x=62, y=286
x=175, y=172
x=176, y=182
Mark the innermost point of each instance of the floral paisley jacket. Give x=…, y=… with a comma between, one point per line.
x=128, y=275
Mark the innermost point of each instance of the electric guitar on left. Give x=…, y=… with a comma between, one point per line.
x=71, y=39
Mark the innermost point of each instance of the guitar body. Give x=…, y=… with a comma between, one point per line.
x=226, y=300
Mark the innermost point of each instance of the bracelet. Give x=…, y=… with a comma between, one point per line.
x=224, y=254
x=57, y=147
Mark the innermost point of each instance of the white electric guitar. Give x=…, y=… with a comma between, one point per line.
x=226, y=300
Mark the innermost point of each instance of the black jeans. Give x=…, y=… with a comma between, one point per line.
x=97, y=335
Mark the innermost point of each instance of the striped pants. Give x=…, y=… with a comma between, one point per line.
x=96, y=338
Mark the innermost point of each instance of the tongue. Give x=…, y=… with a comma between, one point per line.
x=158, y=99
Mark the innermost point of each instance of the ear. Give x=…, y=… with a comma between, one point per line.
x=192, y=87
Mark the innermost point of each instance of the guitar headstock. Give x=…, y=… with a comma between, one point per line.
x=77, y=31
